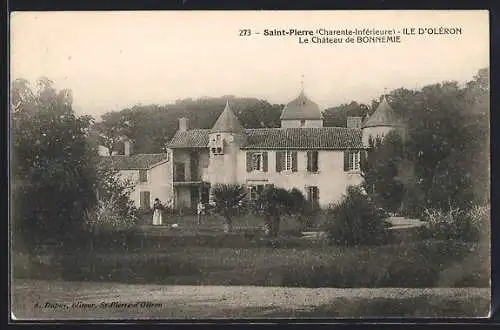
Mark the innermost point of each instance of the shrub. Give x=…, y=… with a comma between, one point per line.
x=228, y=199
x=274, y=202
x=456, y=224
x=144, y=215
x=105, y=220
x=355, y=220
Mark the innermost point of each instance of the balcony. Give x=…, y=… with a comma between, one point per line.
x=181, y=179
x=189, y=172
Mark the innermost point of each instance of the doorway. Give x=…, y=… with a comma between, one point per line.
x=195, y=197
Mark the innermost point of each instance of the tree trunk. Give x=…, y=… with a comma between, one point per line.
x=228, y=225
x=275, y=224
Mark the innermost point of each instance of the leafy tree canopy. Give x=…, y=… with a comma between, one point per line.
x=52, y=164
x=152, y=126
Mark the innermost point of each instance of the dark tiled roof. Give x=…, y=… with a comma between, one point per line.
x=193, y=138
x=304, y=138
x=227, y=121
x=133, y=162
x=280, y=138
x=384, y=115
x=301, y=108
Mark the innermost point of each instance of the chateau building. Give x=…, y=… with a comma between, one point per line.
x=319, y=161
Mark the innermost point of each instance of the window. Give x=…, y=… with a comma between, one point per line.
x=180, y=172
x=145, y=200
x=288, y=161
x=313, y=195
x=143, y=176
x=312, y=161
x=217, y=145
x=217, y=151
x=257, y=162
x=352, y=160
x=302, y=123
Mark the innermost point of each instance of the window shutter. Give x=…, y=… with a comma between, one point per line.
x=249, y=161
x=363, y=159
x=346, y=160
x=308, y=193
x=315, y=161
x=309, y=161
x=279, y=161
x=264, y=161
x=294, y=161
x=145, y=199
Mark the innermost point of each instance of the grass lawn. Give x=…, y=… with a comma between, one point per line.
x=216, y=222
x=267, y=263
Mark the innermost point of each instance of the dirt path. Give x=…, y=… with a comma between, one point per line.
x=90, y=300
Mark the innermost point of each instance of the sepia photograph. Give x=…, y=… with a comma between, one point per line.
x=210, y=165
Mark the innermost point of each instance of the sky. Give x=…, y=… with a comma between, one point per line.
x=113, y=60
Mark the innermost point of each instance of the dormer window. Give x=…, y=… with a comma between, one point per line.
x=216, y=145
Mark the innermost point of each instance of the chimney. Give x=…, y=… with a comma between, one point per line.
x=127, y=147
x=354, y=122
x=183, y=124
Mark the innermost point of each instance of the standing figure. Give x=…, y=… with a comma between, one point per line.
x=170, y=207
x=200, y=208
x=157, y=213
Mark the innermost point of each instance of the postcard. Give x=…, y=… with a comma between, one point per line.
x=246, y=165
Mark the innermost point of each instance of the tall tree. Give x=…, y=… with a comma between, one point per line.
x=446, y=148
x=380, y=171
x=53, y=178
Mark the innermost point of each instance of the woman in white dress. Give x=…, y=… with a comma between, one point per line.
x=157, y=213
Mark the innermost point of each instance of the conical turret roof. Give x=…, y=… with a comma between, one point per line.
x=384, y=115
x=227, y=122
x=301, y=108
